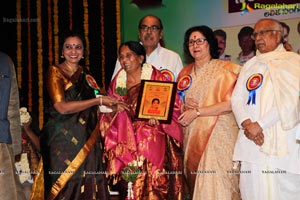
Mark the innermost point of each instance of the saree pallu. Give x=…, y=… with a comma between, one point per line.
x=160, y=147
x=71, y=150
x=209, y=140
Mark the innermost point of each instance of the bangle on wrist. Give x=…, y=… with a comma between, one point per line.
x=100, y=100
x=197, y=112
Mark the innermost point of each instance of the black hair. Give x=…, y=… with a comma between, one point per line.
x=155, y=99
x=71, y=33
x=158, y=19
x=246, y=30
x=208, y=34
x=221, y=33
x=136, y=47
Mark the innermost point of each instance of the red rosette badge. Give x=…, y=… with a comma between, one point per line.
x=253, y=83
x=168, y=74
x=92, y=83
x=183, y=84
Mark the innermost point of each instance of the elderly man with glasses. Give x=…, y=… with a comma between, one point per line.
x=266, y=105
x=151, y=37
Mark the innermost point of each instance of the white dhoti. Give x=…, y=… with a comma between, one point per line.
x=263, y=183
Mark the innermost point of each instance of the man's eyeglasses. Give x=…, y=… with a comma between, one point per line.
x=199, y=41
x=261, y=33
x=145, y=28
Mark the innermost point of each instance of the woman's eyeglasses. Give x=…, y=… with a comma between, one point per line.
x=199, y=41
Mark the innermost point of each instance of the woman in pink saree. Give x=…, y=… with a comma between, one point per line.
x=155, y=146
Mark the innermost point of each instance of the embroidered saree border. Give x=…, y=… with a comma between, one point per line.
x=74, y=165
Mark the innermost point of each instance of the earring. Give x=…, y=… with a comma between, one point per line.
x=62, y=56
x=82, y=57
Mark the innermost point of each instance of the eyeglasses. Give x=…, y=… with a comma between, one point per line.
x=145, y=28
x=261, y=33
x=199, y=41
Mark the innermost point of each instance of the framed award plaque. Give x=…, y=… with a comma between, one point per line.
x=156, y=100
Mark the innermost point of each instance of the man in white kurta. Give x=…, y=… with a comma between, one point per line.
x=161, y=58
x=150, y=35
x=266, y=105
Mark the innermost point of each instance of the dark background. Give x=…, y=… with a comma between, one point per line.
x=102, y=37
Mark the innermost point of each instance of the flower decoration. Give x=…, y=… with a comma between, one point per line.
x=130, y=172
x=24, y=115
x=122, y=79
x=146, y=71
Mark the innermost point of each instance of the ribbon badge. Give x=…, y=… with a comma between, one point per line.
x=253, y=83
x=183, y=84
x=168, y=74
x=92, y=83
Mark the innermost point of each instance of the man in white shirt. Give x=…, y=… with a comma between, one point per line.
x=266, y=105
x=150, y=34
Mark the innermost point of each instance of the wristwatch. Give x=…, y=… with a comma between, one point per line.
x=197, y=112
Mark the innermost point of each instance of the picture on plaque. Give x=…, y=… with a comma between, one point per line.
x=156, y=100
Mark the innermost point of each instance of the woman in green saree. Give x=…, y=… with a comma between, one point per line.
x=71, y=141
